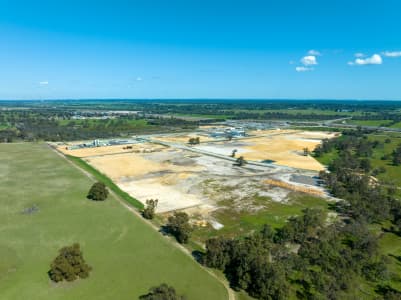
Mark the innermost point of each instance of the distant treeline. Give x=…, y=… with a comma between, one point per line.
x=59, y=125
x=387, y=116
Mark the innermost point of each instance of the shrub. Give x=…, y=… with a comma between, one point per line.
x=162, y=292
x=149, y=211
x=98, y=192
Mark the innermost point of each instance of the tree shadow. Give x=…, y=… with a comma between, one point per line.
x=398, y=258
x=198, y=256
x=164, y=230
x=387, y=291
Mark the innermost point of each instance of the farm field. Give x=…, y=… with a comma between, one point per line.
x=126, y=254
x=380, y=123
x=396, y=125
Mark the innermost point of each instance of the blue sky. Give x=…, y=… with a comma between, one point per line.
x=200, y=49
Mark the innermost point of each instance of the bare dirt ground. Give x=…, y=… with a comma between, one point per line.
x=199, y=183
x=183, y=138
x=86, y=152
x=180, y=179
x=283, y=147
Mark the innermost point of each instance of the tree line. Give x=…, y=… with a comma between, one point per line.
x=312, y=257
x=306, y=257
x=55, y=125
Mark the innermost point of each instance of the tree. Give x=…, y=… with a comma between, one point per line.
x=69, y=265
x=194, y=141
x=149, y=211
x=397, y=156
x=162, y=292
x=178, y=225
x=365, y=165
x=98, y=192
x=217, y=253
x=240, y=161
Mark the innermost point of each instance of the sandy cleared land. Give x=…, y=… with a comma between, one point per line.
x=283, y=150
x=183, y=138
x=105, y=150
x=181, y=179
x=135, y=165
x=158, y=175
x=284, y=147
x=287, y=148
x=270, y=131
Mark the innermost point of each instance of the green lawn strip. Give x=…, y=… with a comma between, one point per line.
x=208, y=116
x=106, y=180
x=314, y=128
x=396, y=125
x=326, y=158
x=380, y=123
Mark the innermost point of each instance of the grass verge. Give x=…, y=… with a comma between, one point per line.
x=106, y=180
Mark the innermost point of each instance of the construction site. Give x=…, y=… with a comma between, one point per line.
x=203, y=178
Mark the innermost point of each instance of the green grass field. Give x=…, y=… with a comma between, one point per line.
x=126, y=254
x=302, y=111
x=206, y=116
x=380, y=123
x=396, y=125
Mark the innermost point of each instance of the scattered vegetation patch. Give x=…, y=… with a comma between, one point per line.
x=69, y=265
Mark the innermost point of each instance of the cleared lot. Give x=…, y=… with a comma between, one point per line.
x=285, y=147
x=204, y=185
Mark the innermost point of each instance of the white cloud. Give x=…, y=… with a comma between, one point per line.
x=359, y=55
x=392, y=53
x=44, y=83
x=314, y=52
x=139, y=79
x=309, y=60
x=303, y=69
x=375, y=59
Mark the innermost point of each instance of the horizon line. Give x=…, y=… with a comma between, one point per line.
x=199, y=99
